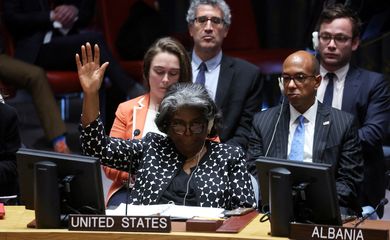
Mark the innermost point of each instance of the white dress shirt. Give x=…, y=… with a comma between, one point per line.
x=150, y=125
x=338, y=86
x=310, y=120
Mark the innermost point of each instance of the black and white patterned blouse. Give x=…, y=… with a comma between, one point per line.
x=221, y=179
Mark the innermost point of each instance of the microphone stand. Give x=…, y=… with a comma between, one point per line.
x=135, y=133
x=383, y=202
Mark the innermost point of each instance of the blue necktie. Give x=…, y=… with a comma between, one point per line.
x=298, y=141
x=328, y=97
x=201, y=79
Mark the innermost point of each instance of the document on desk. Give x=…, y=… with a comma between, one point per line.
x=168, y=210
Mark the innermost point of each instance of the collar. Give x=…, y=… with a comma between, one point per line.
x=341, y=73
x=211, y=64
x=310, y=114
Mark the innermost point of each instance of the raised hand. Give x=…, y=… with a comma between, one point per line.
x=91, y=77
x=89, y=70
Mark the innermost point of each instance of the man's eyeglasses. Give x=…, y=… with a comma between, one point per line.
x=180, y=127
x=204, y=19
x=339, y=39
x=297, y=78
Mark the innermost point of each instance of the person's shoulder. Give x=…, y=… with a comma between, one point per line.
x=269, y=111
x=155, y=138
x=129, y=104
x=8, y=114
x=338, y=114
x=227, y=148
x=364, y=70
x=368, y=75
x=7, y=109
x=240, y=63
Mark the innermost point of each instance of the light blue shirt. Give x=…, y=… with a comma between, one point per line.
x=212, y=73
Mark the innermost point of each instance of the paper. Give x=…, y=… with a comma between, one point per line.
x=137, y=210
x=169, y=210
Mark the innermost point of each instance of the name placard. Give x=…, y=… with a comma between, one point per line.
x=119, y=223
x=320, y=232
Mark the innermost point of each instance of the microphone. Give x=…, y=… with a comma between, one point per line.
x=280, y=82
x=383, y=202
x=136, y=132
x=127, y=186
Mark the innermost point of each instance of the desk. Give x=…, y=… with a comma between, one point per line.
x=13, y=226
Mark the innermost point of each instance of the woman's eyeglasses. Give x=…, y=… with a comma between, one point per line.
x=180, y=127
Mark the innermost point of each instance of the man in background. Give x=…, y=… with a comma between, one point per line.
x=233, y=83
x=360, y=92
x=32, y=78
x=41, y=28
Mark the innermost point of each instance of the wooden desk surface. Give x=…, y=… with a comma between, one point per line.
x=13, y=226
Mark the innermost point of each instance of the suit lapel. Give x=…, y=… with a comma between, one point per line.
x=321, y=132
x=351, y=86
x=226, y=74
x=281, y=138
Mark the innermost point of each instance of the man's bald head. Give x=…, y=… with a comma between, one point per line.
x=304, y=58
x=301, y=79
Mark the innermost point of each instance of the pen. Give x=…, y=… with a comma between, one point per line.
x=207, y=218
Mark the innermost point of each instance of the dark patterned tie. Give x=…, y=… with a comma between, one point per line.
x=201, y=78
x=328, y=97
x=298, y=141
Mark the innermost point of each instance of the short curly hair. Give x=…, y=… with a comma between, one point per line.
x=181, y=95
x=221, y=4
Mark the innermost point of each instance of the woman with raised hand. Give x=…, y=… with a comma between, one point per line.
x=183, y=166
x=166, y=62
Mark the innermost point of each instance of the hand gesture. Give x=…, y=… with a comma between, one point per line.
x=66, y=15
x=89, y=70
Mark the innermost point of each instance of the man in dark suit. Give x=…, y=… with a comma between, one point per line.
x=233, y=83
x=48, y=33
x=9, y=145
x=330, y=135
x=360, y=92
x=32, y=78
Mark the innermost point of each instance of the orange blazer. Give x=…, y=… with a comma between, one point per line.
x=130, y=117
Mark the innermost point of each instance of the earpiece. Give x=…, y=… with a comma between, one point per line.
x=210, y=125
x=281, y=87
x=315, y=40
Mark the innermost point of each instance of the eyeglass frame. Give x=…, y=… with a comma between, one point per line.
x=188, y=126
x=220, y=22
x=338, y=39
x=297, y=80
